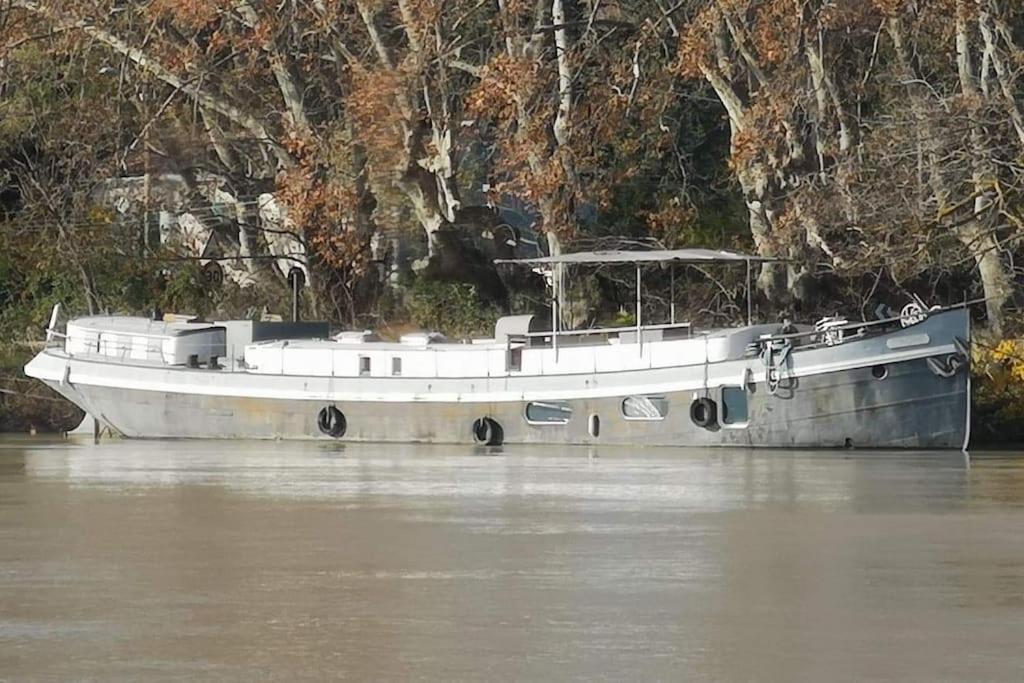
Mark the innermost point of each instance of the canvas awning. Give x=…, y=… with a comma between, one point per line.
x=685, y=256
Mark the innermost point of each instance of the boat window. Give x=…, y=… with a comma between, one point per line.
x=734, y=405
x=557, y=412
x=364, y=365
x=645, y=408
x=515, y=359
x=396, y=366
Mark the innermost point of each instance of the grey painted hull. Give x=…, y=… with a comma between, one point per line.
x=909, y=406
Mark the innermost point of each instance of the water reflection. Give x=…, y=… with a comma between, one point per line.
x=716, y=479
x=236, y=561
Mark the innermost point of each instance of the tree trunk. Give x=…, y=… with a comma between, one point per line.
x=995, y=278
x=753, y=184
x=979, y=241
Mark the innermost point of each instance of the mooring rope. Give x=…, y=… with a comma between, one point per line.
x=774, y=358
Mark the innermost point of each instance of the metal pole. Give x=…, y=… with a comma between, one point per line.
x=750, y=304
x=52, y=327
x=672, y=300
x=562, y=293
x=294, y=277
x=639, y=310
x=147, y=186
x=554, y=310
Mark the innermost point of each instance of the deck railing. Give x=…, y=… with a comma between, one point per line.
x=122, y=352
x=596, y=331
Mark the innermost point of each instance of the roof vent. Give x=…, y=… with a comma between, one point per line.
x=423, y=338
x=356, y=337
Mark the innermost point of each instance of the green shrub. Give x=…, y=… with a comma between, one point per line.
x=187, y=291
x=450, y=307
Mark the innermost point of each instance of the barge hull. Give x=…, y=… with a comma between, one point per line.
x=911, y=407
x=907, y=388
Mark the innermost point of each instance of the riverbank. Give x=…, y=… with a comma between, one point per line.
x=997, y=371
x=26, y=405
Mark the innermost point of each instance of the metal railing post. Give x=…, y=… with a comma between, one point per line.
x=639, y=311
x=750, y=303
x=672, y=299
x=554, y=310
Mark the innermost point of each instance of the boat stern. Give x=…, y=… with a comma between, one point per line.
x=48, y=367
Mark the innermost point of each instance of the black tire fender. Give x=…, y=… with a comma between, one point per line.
x=487, y=432
x=332, y=422
x=703, y=412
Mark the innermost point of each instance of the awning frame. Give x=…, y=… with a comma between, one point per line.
x=612, y=257
x=638, y=258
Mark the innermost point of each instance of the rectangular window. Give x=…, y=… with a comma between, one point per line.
x=396, y=367
x=734, y=405
x=515, y=359
x=364, y=366
x=645, y=407
x=548, y=413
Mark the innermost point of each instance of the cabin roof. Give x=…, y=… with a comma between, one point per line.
x=121, y=324
x=636, y=257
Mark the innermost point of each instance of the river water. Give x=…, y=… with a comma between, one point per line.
x=279, y=561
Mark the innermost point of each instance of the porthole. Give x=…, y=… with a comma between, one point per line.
x=594, y=426
x=879, y=371
x=548, y=413
x=645, y=407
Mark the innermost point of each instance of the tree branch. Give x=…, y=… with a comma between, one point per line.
x=229, y=111
x=285, y=82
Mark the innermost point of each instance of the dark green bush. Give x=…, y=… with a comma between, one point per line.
x=450, y=307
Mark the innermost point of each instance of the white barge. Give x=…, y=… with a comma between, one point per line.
x=897, y=383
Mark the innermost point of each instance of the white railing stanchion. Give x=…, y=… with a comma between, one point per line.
x=639, y=312
x=51, y=329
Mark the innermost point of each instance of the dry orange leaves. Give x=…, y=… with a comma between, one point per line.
x=193, y=13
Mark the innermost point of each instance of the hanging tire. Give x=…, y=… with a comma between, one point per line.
x=331, y=422
x=703, y=412
x=487, y=432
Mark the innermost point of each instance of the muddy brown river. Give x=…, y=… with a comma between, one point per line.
x=180, y=561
